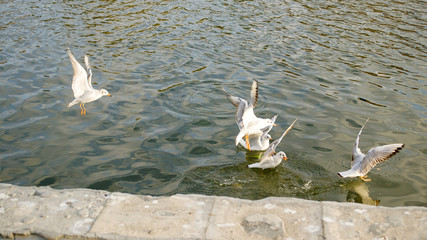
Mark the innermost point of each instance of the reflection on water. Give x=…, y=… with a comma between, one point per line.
x=168, y=127
x=359, y=192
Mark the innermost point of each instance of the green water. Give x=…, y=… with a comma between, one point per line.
x=169, y=128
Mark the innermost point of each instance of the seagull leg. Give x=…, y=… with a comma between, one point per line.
x=81, y=109
x=365, y=178
x=84, y=113
x=248, y=146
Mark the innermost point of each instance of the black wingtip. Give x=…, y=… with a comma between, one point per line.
x=254, y=100
x=400, y=148
x=339, y=175
x=397, y=150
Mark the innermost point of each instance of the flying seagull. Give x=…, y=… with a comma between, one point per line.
x=82, y=84
x=361, y=164
x=247, y=121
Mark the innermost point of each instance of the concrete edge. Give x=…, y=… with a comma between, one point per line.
x=43, y=212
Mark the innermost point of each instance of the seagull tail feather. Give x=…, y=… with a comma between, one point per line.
x=254, y=165
x=74, y=102
x=345, y=174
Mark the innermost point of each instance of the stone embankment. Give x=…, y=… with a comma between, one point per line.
x=42, y=212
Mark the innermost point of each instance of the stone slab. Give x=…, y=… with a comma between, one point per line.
x=270, y=218
x=47, y=212
x=146, y=217
x=356, y=221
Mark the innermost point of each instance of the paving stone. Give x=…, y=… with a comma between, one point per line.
x=5, y=186
x=48, y=213
x=178, y=216
x=355, y=221
x=270, y=218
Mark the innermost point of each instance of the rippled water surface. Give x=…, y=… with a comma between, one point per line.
x=169, y=128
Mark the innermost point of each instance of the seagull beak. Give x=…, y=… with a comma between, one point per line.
x=275, y=125
x=271, y=139
x=109, y=95
x=285, y=158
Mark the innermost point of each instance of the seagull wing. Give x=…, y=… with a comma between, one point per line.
x=254, y=94
x=245, y=113
x=241, y=105
x=249, y=116
x=265, y=131
x=265, y=160
x=357, y=154
x=234, y=100
x=80, y=83
x=272, y=148
x=240, y=111
x=379, y=154
x=89, y=70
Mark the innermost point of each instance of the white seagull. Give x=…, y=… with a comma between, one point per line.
x=82, y=84
x=361, y=164
x=247, y=121
x=270, y=158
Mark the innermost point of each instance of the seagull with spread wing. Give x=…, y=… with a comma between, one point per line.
x=270, y=158
x=248, y=123
x=82, y=84
x=361, y=164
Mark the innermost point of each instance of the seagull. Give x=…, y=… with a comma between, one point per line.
x=82, y=84
x=247, y=121
x=270, y=158
x=361, y=164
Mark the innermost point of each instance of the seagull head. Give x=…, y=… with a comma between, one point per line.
x=105, y=93
x=270, y=122
x=282, y=155
x=273, y=120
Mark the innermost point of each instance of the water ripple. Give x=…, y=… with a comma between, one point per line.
x=169, y=128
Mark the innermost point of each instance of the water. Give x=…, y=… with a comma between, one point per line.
x=168, y=127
